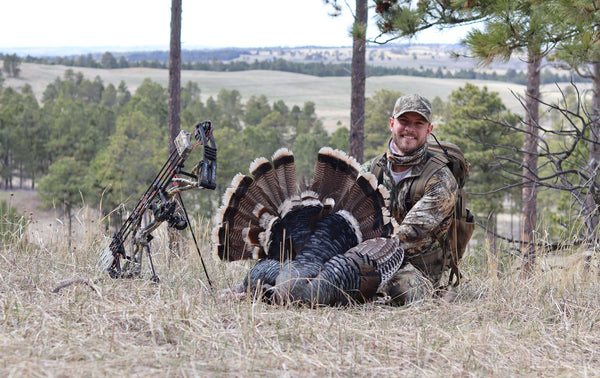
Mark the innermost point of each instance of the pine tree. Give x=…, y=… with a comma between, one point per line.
x=66, y=184
x=11, y=65
x=358, y=81
x=174, y=97
x=580, y=50
x=476, y=123
x=515, y=27
x=108, y=61
x=134, y=155
x=377, y=125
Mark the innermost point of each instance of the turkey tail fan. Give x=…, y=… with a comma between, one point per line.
x=232, y=245
x=366, y=201
x=239, y=220
x=364, y=186
x=250, y=216
x=335, y=172
x=266, y=178
x=374, y=217
x=285, y=170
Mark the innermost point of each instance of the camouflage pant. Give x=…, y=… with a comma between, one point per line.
x=407, y=285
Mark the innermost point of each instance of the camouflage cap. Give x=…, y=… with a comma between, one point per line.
x=413, y=103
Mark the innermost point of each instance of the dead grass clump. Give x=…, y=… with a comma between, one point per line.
x=498, y=324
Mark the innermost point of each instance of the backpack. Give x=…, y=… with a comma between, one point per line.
x=463, y=223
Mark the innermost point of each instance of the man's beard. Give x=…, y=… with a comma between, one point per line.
x=414, y=158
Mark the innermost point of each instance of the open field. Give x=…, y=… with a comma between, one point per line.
x=417, y=56
x=330, y=94
x=496, y=325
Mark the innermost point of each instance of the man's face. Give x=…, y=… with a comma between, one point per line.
x=409, y=132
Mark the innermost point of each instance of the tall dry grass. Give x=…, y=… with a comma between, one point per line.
x=498, y=324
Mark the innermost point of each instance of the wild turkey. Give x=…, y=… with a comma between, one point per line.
x=329, y=244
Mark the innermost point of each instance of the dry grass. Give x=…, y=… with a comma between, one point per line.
x=498, y=325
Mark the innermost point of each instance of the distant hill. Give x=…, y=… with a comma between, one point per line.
x=330, y=94
x=426, y=60
x=390, y=55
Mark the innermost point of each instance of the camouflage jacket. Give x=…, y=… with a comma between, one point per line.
x=424, y=223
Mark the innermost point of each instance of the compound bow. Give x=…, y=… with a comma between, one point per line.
x=160, y=199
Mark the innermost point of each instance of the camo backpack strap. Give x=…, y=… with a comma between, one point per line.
x=434, y=164
x=378, y=167
x=431, y=262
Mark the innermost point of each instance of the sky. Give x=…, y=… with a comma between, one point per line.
x=126, y=24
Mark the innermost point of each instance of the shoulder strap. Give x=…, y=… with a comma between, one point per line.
x=434, y=164
x=378, y=166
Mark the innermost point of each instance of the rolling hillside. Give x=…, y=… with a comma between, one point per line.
x=330, y=94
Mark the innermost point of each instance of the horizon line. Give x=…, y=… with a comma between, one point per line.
x=133, y=48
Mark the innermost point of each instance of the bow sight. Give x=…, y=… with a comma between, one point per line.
x=160, y=199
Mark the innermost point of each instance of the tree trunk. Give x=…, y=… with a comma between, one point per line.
x=21, y=175
x=591, y=205
x=69, y=227
x=174, y=100
x=175, y=74
x=7, y=170
x=530, y=158
x=357, y=104
x=492, y=226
